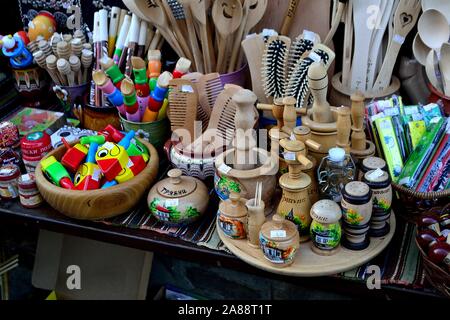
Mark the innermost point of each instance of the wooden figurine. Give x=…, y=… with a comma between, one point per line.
x=178, y=200
x=295, y=203
x=325, y=229
x=232, y=216
x=279, y=240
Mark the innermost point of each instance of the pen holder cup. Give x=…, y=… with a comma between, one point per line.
x=156, y=132
x=435, y=96
x=71, y=97
x=238, y=77
x=96, y=118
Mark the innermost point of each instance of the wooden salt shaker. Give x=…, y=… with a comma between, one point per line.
x=232, y=217
x=356, y=205
x=256, y=219
x=325, y=229
x=279, y=241
x=295, y=204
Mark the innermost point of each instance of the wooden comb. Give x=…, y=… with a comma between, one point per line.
x=209, y=87
x=203, y=111
x=275, y=60
x=182, y=110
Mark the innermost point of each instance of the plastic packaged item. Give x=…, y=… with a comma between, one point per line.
x=29, y=194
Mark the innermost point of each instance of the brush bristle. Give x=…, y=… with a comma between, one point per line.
x=275, y=66
x=298, y=48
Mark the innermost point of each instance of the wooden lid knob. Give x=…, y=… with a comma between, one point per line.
x=235, y=197
x=175, y=175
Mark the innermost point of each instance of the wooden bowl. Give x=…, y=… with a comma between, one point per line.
x=98, y=204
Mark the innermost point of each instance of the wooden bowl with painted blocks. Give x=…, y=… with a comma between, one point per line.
x=98, y=204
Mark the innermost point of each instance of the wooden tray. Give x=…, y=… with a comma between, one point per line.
x=307, y=263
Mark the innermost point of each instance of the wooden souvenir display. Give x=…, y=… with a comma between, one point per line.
x=295, y=203
x=326, y=229
x=232, y=217
x=279, y=241
x=178, y=200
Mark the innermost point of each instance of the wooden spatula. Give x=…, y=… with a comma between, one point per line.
x=182, y=112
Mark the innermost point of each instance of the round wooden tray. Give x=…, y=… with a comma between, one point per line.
x=307, y=263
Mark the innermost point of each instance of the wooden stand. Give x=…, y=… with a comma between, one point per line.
x=307, y=263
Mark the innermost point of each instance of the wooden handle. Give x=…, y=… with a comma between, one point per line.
x=304, y=160
x=335, y=24
x=289, y=17
x=222, y=55
x=311, y=144
x=264, y=107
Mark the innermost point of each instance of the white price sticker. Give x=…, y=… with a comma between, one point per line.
x=376, y=174
x=314, y=56
x=292, y=137
x=224, y=168
x=172, y=203
x=290, y=156
x=430, y=107
x=26, y=177
x=399, y=39
x=278, y=234
x=187, y=88
x=309, y=35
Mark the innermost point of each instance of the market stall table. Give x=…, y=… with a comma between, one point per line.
x=47, y=218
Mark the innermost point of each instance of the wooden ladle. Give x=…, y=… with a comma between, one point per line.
x=227, y=16
x=433, y=28
x=430, y=69
x=420, y=50
x=444, y=65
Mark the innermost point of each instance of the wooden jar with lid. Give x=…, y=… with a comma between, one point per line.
x=325, y=228
x=178, y=200
x=380, y=183
x=279, y=240
x=295, y=203
x=371, y=163
x=356, y=206
x=232, y=217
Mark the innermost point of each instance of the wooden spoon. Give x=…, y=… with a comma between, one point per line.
x=420, y=50
x=444, y=65
x=433, y=28
x=441, y=5
x=227, y=16
x=238, y=36
x=430, y=69
x=289, y=17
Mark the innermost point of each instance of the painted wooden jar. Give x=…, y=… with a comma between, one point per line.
x=380, y=183
x=356, y=206
x=179, y=199
x=325, y=228
x=232, y=217
x=279, y=241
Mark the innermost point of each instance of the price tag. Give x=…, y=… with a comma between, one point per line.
x=292, y=137
x=96, y=175
x=172, y=203
x=399, y=39
x=314, y=56
x=278, y=234
x=269, y=33
x=435, y=120
x=376, y=174
x=26, y=177
x=290, y=156
x=309, y=35
x=5, y=171
x=224, y=168
x=187, y=88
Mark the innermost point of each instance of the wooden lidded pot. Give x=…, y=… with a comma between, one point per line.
x=232, y=217
x=325, y=229
x=279, y=240
x=356, y=206
x=178, y=199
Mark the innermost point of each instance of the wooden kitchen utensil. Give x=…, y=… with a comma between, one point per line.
x=289, y=17
x=227, y=16
x=348, y=46
x=431, y=67
x=238, y=36
x=442, y=6
x=433, y=28
x=404, y=20
x=190, y=24
x=274, y=66
x=420, y=50
x=182, y=112
x=336, y=21
x=444, y=65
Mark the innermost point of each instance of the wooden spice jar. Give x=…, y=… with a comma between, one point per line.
x=279, y=241
x=179, y=199
x=356, y=206
x=325, y=228
x=232, y=217
x=380, y=183
x=371, y=163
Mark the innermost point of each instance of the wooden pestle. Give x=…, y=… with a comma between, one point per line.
x=86, y=61
x=40, y=59
x=358, y=134
x=78, y=34
x=318, y=84
x=63, y=50
x=344, y=124
x=64, y=69
x=76, y=47
x=75, y=66
x=45, y=47
x=244, y=141
x=51, y=65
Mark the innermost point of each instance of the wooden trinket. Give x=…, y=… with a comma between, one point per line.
x=178, y=200
x=325, y=229
x=232, y=216
x=279, y=241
